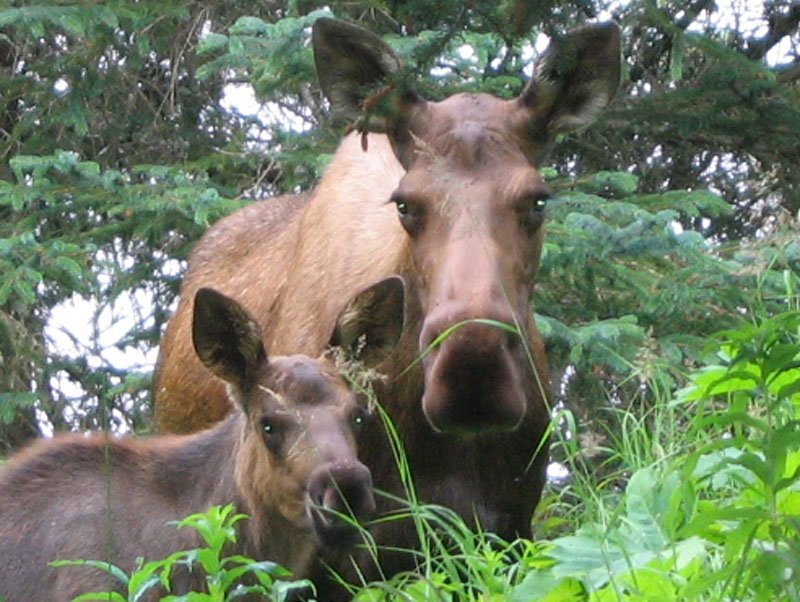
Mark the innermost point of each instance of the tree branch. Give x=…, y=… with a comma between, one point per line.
x=787, y=73
x=780, y=25
x=691, y=12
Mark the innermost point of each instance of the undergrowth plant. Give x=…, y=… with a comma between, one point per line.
x=704, y=504
x=223, y=574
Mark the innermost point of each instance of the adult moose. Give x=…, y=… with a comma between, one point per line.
x=287, y=457
x=450, y=199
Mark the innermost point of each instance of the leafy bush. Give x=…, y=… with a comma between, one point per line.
x=705, y=506
x=705, y=509
x=224, y=574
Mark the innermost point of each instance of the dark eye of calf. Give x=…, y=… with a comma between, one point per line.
x=274, y=431
x=531, y=210
x=359, y=419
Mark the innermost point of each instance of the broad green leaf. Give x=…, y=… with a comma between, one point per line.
x=543, y=587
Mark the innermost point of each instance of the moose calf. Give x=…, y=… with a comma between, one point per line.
x=286, y=457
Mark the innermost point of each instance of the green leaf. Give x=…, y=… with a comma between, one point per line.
x=611, y=184
x=543, y=587
x=211, y=42
x=73, y=270
x=649, y=500
x=73, y=22
x=249, y=26
x=100, y=596
x=676, y=57
x=12, y=401
x=25, y=292
x=112, y=570
x=88, y=169
x=10, y=16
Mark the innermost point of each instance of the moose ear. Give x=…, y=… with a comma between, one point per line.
x=226, y=338
x=371, y=324
x=575, y=79
x=358, y=73
x=351, y=62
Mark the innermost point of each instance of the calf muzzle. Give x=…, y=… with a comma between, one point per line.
x=340, y=496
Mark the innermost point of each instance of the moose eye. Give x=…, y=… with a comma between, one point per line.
x=268, y=427
x=359, y=419
x=273, y=433
x=532, y=210
x=402, y=207
x=410, y=213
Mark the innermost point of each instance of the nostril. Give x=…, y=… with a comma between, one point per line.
x=343, y=489
x=351, y=499
x=355, y=491
x=513, y=341
x=341, y=496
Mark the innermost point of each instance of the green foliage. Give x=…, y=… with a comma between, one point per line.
x=624, y=291
x=673, y=217
x=277, y=61
x=223, y=573
x=275, y=56
x=710, y=510
x=115, y=158
x=80, y=230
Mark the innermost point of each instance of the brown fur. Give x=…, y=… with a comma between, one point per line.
x=111, y=498
x=473, y=414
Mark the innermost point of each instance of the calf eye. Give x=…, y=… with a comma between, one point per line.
x=359, y=419
x=273, y=433
x=532, y=210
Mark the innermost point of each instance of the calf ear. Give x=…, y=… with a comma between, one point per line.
x=226, y=338
x=574, y=80
x=371, y=324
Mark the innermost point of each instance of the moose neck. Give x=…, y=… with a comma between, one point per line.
x=349, y=239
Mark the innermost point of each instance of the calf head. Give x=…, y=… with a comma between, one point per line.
x=297, y=453
x=472, y=202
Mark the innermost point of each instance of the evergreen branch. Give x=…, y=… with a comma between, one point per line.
x=780, y=25
x=786, y=74
x=691, y=12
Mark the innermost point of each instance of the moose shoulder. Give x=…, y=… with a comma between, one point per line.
x=451, y=199
x=286, y=456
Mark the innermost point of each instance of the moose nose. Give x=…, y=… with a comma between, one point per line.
x=343, y=488
x=340, y=493
x=473, y=379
